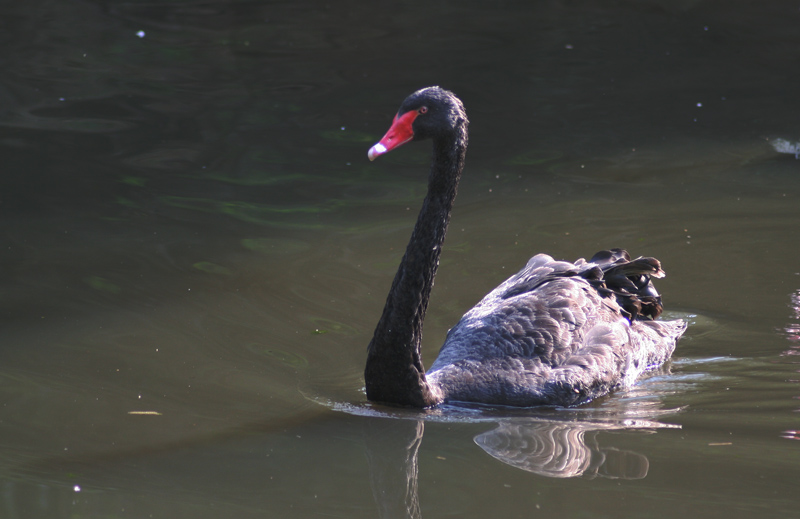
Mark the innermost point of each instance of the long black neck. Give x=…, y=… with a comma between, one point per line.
x=395, y=373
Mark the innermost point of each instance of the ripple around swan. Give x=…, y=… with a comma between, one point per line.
x=618, y=412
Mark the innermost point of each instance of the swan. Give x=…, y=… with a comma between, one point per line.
x=555, y=333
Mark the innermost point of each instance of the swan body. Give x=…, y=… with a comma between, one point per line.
x=555, y=333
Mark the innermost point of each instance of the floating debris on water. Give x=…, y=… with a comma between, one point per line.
x=784, y=146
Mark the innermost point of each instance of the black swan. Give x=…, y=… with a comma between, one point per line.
x=555, y=333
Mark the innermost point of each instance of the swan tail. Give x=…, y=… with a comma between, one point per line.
x=628, y=281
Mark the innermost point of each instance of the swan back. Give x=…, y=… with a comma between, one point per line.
x=558, y=333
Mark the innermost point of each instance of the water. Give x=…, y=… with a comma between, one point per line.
x=196, y=251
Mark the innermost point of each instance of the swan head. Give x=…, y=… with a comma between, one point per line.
x=428, y=113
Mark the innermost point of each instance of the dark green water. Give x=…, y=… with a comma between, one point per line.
x=195, y=250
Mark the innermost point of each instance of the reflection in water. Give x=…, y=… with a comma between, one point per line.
x=792, y=331
x=392, y=448
x=561, y=450
x=552, y=443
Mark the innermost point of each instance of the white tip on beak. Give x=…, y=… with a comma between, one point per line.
x=375, y=151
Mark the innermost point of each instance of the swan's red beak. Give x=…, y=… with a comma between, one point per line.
x=400, y=132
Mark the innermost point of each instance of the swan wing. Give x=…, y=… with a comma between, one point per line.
x=554, y=333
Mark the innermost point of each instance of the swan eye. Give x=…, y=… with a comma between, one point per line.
x=423, y=109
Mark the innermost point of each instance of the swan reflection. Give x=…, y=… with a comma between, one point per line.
x=561, y=450
x=555, y=443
